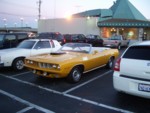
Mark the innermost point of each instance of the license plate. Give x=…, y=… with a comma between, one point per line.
x=144, y=87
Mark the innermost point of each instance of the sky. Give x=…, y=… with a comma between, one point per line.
x=24, y=13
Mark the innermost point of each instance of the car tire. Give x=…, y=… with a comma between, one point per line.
x=75, y=75
x=18, y=64
x=110, y=63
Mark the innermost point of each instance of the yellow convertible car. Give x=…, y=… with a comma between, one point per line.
x=71, y=60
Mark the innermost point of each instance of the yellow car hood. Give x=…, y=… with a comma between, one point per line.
x=57, y=58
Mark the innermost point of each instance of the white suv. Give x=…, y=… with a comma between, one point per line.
x=132, y=70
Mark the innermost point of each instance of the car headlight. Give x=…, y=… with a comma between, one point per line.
x=47, y=65
x=55, y=66
x=29, y=61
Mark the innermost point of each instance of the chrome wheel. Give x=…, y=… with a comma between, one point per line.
x=18, y=64
x=75, y=75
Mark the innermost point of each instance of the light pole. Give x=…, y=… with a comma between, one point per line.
x=21, y=22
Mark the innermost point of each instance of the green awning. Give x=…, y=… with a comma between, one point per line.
x=123, y=23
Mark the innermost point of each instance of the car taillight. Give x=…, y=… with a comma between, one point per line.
x=117, y=65
x=64, y=40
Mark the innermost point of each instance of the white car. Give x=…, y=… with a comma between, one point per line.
x=132, y=70
x=15, y=56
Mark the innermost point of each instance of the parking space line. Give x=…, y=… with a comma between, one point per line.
x=72, y=96
x=31, y=84
x=98, y=104
x=20, y=74
x=24, y=110
x=25, y=102
x=67, y=91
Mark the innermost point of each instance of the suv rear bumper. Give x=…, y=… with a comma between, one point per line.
x=129, y=86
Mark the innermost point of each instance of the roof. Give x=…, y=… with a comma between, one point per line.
x=125, y=10
x=121, y=13
x=145, y=43
x=106, y=13
x=93, y=13
x=124, y=15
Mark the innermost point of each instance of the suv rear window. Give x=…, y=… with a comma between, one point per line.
x=138, y=52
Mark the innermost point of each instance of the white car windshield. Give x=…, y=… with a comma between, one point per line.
x=26, y=44
x=76, y=47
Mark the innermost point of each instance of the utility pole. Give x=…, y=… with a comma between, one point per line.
x=39, y=8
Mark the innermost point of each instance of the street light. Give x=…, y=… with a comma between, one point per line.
x=5, y=25
x=4, y=19
x=21, y=21
x=36, y=22
x=15, y=24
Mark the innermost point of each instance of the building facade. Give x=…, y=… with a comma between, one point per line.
x=122, y=18
x=81, y=25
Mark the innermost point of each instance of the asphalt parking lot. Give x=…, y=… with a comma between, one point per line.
x=24, y=92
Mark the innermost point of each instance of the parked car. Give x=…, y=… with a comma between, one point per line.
x=132, y=70
x=71, y=60
x=75, y=38
x=10, y=40
x=116, y=41
x=15, y=56
x=95, y=40
x=52, y=35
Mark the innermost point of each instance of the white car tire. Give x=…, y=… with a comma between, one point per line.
x=18, y=64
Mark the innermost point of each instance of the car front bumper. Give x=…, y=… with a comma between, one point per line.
x=48, y=73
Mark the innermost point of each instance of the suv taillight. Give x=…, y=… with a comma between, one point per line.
x=117, y=65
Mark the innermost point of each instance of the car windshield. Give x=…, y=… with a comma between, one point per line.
x=26, y=44
x=76, y=47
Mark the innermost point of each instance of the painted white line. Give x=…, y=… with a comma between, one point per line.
x=98, y=104
x=70, y=96
x=67, y=91
x=25, y=102
x=25, y=110
x=20, y=74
